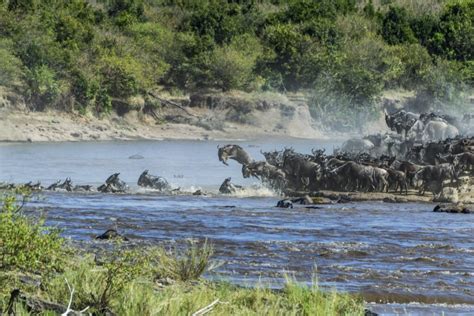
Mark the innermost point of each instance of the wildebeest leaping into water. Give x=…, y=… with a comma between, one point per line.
x=234, y=152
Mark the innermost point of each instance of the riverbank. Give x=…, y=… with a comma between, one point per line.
x=229, y=116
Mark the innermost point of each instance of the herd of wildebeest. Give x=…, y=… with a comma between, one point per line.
x=422, y=152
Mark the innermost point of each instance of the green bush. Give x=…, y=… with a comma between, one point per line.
x=122, y=77
x=11, y=68
x=27, y=245
x=43, y=87
x=454, y=38
x=396, y=27
x=232, y=65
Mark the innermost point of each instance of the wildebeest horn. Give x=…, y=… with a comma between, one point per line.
x=218, y=147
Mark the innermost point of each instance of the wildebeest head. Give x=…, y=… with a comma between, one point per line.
x=222, y=154
x=113, y=178
x=143, y=179
x=246, y=173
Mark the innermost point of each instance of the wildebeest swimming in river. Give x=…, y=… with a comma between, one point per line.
x=234, y=152
x=229, y=188
x=151, y=181
x=113, y=184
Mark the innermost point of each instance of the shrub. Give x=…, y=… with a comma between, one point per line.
x=182, y=265
x=27, y=245
x=396, y=27
x=233, y=64
x=122, y=76
x=43, y=87
x=11, y=68
x=454, y=38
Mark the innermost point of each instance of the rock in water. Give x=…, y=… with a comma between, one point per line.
x=136, y=156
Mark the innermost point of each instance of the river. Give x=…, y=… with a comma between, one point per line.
x=421, y=262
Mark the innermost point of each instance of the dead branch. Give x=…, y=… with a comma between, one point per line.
x=206, y=309
x=69, y=310
x=168, y=102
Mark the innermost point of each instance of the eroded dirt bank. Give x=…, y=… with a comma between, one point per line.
x=211, y=116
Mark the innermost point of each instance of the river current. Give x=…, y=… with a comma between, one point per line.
x=402, y=258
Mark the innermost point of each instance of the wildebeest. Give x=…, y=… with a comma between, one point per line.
x=285, y=204
x=113, y=184
x=229, y=188
x=397, y=179
x=234, y=152
x=82, y=188
x=357, y=176
x=438, y=174
x=464, y=161
x=408, y=168
x=300, y=170
x=33, y=186
x=151, y=181
x=437, y=130
x=266, y=172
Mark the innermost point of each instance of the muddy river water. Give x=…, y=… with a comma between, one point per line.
x=403, y=258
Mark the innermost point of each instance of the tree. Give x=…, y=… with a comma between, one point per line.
x=396, y=27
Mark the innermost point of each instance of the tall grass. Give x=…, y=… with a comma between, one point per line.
x=189, y=264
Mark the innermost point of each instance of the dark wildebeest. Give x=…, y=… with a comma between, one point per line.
x=82, y=188
x=464, y=161
x=234, y=152
x=266, y=172
x=228, y=188
x=273, y=157
x=53, y=186
x=300, y=170
x=397, y=179
x=113, y=184
x=33, y=186
x=285, y=204
x=408, y=168
x=359, y=176
x=438, y=174
x=151, y=181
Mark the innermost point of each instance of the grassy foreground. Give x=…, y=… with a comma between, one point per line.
x=52, y=277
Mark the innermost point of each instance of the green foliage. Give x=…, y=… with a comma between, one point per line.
x=11, y=68
x=190, y=265
x=126, y=12
x=43, y=87
x=232, y=65
x=26, y=245
x=122, y=77
x=95, y=53
x=301, y=11
x=454, y=38
x=396, y=27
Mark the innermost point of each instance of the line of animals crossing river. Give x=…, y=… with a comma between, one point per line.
x=425, y=152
